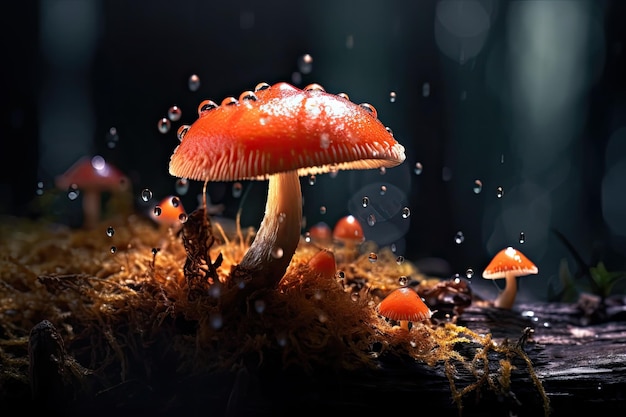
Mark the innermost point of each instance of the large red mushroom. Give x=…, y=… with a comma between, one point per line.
x=279, y=133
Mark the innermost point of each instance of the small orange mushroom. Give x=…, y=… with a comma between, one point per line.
x=92, y=177
x=348, y=233
x=279, y=133
x=509, y=264
x=404, y=305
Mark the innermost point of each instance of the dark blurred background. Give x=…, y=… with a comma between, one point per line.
x=513, y=113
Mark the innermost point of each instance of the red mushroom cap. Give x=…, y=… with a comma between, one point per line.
x=282, y=128
x=348, y=228
x=509, y=260
x=321, y=232
x=92, y=173
x=404, y=303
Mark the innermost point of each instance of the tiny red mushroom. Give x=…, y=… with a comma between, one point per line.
x=404, y=305
x=92, y=177
x=348, y=233
x=323, y=263
x=509, y=264
x=280, y=133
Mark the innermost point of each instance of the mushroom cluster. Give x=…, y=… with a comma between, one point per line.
x=279, y=133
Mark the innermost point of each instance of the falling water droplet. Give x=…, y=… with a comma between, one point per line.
x=174, y=113
x=237, y=189
x=418, y=168
x=164, y=125
x=39, y=190
x=146, y=194
x=459, y=237
x=112, y=138
x=382, y=170
x=110, y=231
x=371, y=220
x=305, y=64
x=478, y=186
x=383, y=189
x=499, y=192
x=194, y=82
x=73, y=192
x=372, y=257
x=312, y=179
x=113, y=249
x=182, y=217
x=426, y=89
x=406, y=212
x=400, y=259
x=182, y=186
x=322, y=209
x=502, y=158
x=365, y=201
x=392, y=97
x=469, y=273
x=157, y=210
x=403, y=281
x=522, y=237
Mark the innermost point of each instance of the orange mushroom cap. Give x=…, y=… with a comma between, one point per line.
x=282, y=128
x=168, y=211
x=348, y=228
x=404, y=304
x=92, y=173
x=509, y=260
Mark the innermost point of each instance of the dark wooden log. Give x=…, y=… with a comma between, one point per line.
x=581, y=366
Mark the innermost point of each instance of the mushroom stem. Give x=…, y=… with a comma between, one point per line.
x=279, y=234
x=91, y=208
x=507, y=297
x=404, y=324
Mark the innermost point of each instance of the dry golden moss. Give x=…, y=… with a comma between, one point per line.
x=118, y=310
